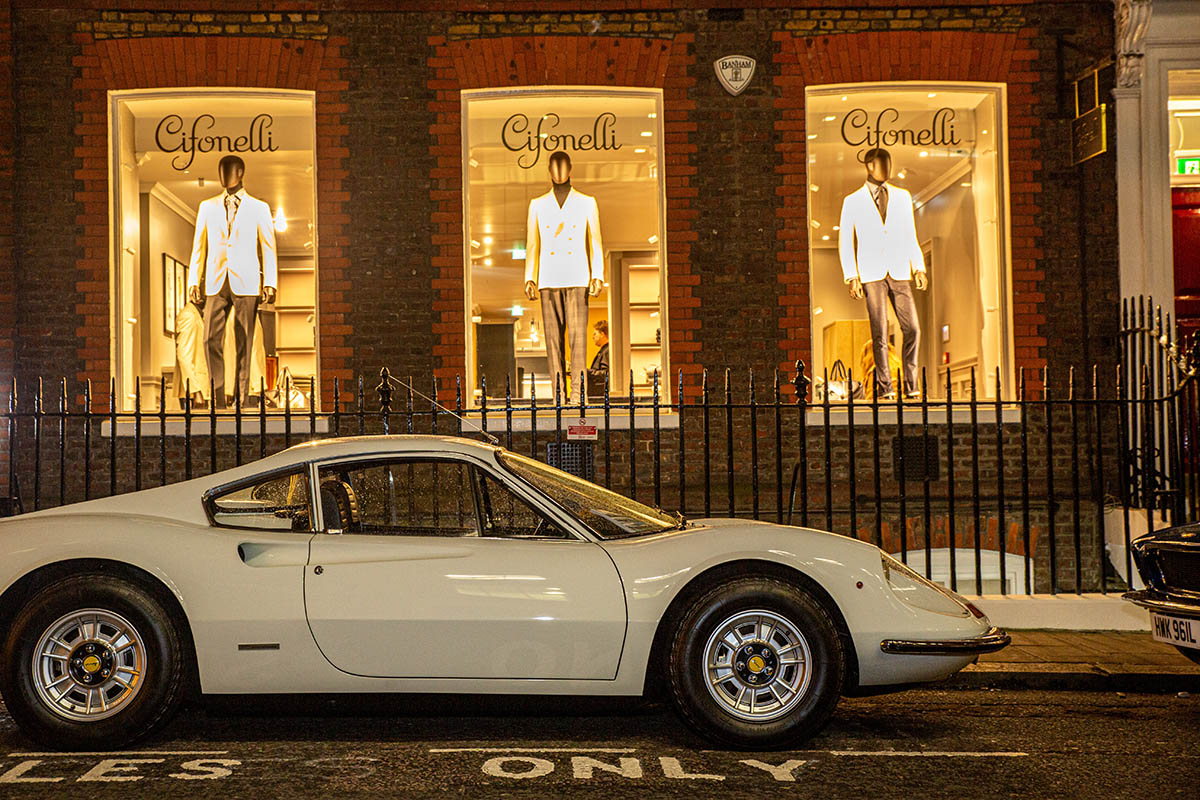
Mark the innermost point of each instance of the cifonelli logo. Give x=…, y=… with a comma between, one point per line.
x=860, y=128
x=521, y=136
x=173, y=136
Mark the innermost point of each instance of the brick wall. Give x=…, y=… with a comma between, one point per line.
x=390, y=157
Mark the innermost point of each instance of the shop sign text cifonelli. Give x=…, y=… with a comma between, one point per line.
x=171, y=135
x=863, y=129
x=519, y=135
x=734, y=72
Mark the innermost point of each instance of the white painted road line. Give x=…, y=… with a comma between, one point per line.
x=123, y=753
x=533, y=750
x=922, y=754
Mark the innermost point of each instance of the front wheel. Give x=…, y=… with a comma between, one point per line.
x=91, y=662
x=756, y=663
x=1191, y=653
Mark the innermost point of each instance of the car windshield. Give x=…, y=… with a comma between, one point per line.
x=610, y=515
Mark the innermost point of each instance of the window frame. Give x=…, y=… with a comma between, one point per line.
x=211, y=495
x=534, y=500
x=1006, y=358
x=468, y=96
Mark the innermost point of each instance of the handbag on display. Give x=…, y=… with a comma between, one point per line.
x=840, y=387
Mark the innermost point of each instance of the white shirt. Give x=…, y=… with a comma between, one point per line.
x=223, y=249
x=562, y=244
x=872, y=249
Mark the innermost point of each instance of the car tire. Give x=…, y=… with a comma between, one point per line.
x=1190, y=653
x=756, y=663
x=87, y=640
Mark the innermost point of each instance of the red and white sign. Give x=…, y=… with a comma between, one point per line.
x=583, y=431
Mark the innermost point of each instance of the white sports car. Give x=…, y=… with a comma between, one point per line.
x=439, y=564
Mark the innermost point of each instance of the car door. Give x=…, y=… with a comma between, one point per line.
x=443, y=568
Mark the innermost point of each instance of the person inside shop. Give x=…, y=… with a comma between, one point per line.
x=600, y=339
x=234, y=251
x=564, y=263
x=880, y=255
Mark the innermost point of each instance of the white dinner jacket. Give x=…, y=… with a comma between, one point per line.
x=220, y=250
x=871, y=249
x=562, y=245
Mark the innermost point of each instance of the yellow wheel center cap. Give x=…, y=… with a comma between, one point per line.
x=91, y=664
x=756, y=664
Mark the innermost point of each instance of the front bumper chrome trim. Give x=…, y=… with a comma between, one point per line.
x=995, y=639
x=1163, y=603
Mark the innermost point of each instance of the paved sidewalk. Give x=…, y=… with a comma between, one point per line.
x=1117, y=660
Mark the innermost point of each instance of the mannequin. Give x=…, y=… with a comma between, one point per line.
x=564, y=263
x=234, y=250
x=880, y=255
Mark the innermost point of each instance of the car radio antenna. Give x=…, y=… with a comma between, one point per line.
x=386, y=375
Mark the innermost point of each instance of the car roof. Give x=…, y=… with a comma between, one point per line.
x=348, y=446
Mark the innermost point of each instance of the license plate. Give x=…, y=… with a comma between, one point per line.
x=1175, y=630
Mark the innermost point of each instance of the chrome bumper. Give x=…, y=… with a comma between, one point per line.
x=995, y=639
x=1163, y=604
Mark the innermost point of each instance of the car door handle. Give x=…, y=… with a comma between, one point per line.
x=274, y=554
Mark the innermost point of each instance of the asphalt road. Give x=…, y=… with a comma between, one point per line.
x=955, y=743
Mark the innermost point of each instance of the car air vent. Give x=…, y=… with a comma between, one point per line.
x=1180, y=571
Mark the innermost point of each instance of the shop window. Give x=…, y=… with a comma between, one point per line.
x=1183, y=108
x=165, y=150
x=609, y=229
x=944, y=213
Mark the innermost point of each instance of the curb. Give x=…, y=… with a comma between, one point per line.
x=1076, y=677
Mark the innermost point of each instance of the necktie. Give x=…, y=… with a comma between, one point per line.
x=881, y=201
x=231, y=207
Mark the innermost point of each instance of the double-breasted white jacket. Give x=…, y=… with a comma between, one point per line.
x=562, y=245
x=872, y=249
x=220, y=249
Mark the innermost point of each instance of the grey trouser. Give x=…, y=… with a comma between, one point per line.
x=216, y=312
x=565, y=311
x=900, y=293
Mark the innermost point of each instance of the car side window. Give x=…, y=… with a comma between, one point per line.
x=278, y=503
x=410, y=497
x=505, y=515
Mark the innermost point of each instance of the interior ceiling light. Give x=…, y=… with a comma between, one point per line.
x=280, y=221
x=933, y=94
x=831, y=118
x=487, y=262
x=816, y=224
x=474, y=243
x=837, y=227
x=653, y=115
x=653, y=239
x=473, y=163
x=812, y=136
x=814, y=188
x=924, y=154
x=965, y=184
x=901, y=176
x=639, y=149
x=844, y=98
x=488, y=240
x=647, y=133
x=984, y=132
x=518, y=310
x=825, y=238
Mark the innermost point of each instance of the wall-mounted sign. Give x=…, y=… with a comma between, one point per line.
x=172, y=135
x=861, y=128
x=1188, y=166
x=734, y=72
x=521, y=136
x=1089, y=134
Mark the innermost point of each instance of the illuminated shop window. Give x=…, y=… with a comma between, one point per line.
x=172, y=230
x=1183, y=109
x=607, y=228
x=943, y=211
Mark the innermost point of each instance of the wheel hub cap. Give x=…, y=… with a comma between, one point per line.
x=757, y=665
x=88, y=665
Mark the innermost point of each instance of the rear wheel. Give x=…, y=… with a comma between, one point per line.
x=756, y=663
x=91, y=662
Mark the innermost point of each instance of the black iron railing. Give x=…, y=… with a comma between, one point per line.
x=1037, y=487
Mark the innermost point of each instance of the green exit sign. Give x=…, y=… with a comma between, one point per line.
x=1188, y=166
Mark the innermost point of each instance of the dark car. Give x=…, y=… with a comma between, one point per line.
x=1169, y=563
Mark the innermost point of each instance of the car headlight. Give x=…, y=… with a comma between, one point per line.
x=918, y=591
